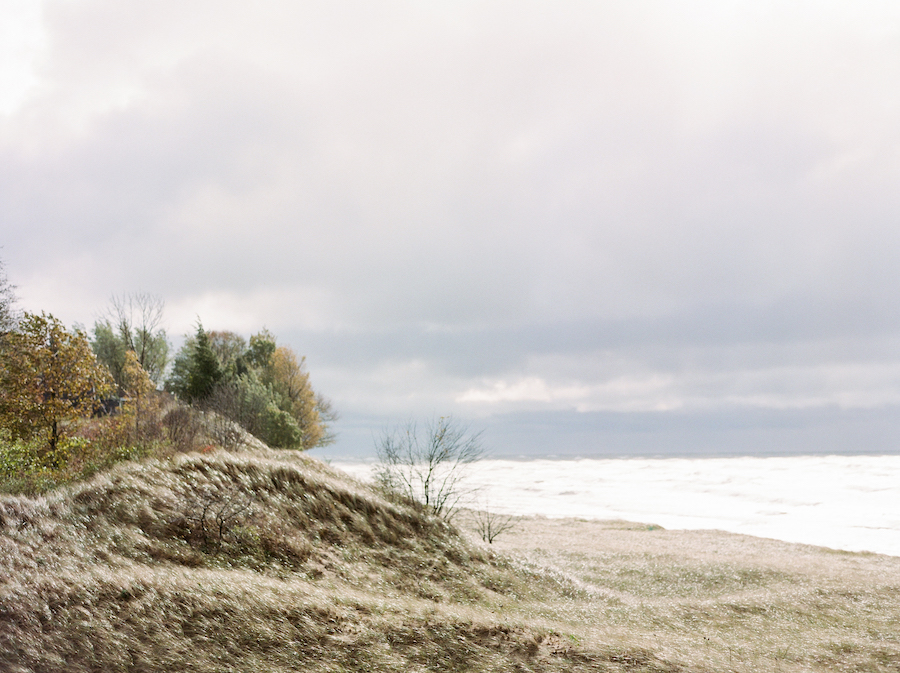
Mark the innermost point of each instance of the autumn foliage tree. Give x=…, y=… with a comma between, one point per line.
x=260, y=385
x=290, y=381
x=48, y=378
x=142, y=405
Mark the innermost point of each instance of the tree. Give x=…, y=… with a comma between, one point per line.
x=133, y=323
x=260, y=349
x=110, y=351
x=140, y=400
x=49, y=377
x=205, y=372
x=8, y=315
x=196, y=371
x=429, y=468
x=180, y=374
x=290, y=381
x=243, y=400
x=229, y=349
x=260, y=385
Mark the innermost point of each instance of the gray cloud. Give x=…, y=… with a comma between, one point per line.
x=484, y=207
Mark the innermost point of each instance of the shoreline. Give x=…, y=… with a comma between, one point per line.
x=846, y=503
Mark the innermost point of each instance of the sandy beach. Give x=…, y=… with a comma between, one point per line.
x=715, y=600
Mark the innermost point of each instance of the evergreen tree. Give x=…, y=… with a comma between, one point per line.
x=205, y=372
x=257, y=384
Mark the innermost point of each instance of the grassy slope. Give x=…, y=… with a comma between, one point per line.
x=312, y=571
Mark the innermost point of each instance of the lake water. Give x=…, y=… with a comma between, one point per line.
x=842, y=502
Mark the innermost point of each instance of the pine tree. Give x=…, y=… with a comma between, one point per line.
x=204, y=372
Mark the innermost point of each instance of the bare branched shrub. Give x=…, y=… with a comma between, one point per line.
x=223, y=431
x=183, y=427
x=9, y=315
x=233, y=407
x=213, y=516
x=491, y=524
x=428, y=467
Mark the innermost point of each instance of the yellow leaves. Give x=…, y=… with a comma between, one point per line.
x=137, y=381
x=288, y=378
x=141, y=408
x=48, y=376
x=287, y=373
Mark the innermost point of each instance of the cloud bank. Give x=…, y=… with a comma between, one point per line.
x=481, y=208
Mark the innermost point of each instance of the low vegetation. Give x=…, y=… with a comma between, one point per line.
x=254, y=560
x=708, y=600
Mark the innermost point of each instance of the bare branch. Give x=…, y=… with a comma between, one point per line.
x=138, y=320
x=430, y=469
x=491, y=524
x=9, y=316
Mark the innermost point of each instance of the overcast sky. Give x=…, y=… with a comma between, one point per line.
x=615, y=220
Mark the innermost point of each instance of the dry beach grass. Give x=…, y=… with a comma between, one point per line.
x=261, y=560
x=710, y=600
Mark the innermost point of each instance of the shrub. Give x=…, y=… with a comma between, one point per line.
x=429, y=467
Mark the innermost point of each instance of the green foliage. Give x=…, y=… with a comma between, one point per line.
x=20, y=457
x=289, y=381
x=180, y=374
x=26, y=466
x=196, y=370
x=260, y=350
x=229, y=349
x=281, y=429
x=133, y=325
x=50, y=382
x=205, y=372
x=110, y=350
x=259, y=385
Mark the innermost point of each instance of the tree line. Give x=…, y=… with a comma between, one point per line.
x=53, y=379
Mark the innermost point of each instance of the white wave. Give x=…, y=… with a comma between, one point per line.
x=843, y=502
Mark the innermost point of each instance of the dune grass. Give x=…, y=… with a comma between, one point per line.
x=713, y=601
x=255, y=560
x=262, y=560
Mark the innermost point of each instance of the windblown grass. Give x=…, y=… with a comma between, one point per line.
x=254, y=560
x=713, y=601
x=261, y=560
